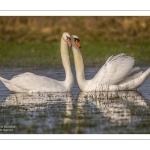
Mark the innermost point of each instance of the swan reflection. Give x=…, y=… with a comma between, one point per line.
x=113, y=108
x=45, y=111
x=91, y=112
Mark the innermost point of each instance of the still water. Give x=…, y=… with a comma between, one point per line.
x=73, y=113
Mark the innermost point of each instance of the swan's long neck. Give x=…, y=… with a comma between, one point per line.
x=79, y=66
x=69, y=81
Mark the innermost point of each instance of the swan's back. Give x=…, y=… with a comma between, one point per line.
x=30, y=81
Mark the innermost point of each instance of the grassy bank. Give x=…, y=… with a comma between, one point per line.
x=48, y=54
x=35, y=41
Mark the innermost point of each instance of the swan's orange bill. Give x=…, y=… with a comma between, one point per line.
x=77, y=43
x=69, y=43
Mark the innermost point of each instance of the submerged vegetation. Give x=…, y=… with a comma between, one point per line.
x=35, y=41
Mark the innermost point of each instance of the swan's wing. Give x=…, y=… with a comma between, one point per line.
x=132, y=84
x=115, y=69
x=130, y=78
x=30, y=81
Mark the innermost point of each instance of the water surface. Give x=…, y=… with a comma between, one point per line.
x=76, y=112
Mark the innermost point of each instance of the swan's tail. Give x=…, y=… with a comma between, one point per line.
x=135, y=83
x=6, y=83
x=11, y=86
x=4, y=80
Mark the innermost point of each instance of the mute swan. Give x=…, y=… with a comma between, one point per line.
x=29, y=82
x=113, y=75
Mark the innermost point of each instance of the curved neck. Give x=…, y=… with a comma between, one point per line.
x=79, y=66
x=66, y=63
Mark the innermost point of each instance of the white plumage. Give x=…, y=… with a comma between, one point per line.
x=113, y=75
x=29, y=82
x=115, y=69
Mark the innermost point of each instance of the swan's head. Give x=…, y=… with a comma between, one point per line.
x=67, y=38
x=76, y=40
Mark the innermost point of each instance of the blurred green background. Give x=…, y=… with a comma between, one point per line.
x=35, y=41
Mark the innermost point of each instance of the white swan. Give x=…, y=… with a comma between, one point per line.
x=113, y=75
x=29, y=82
